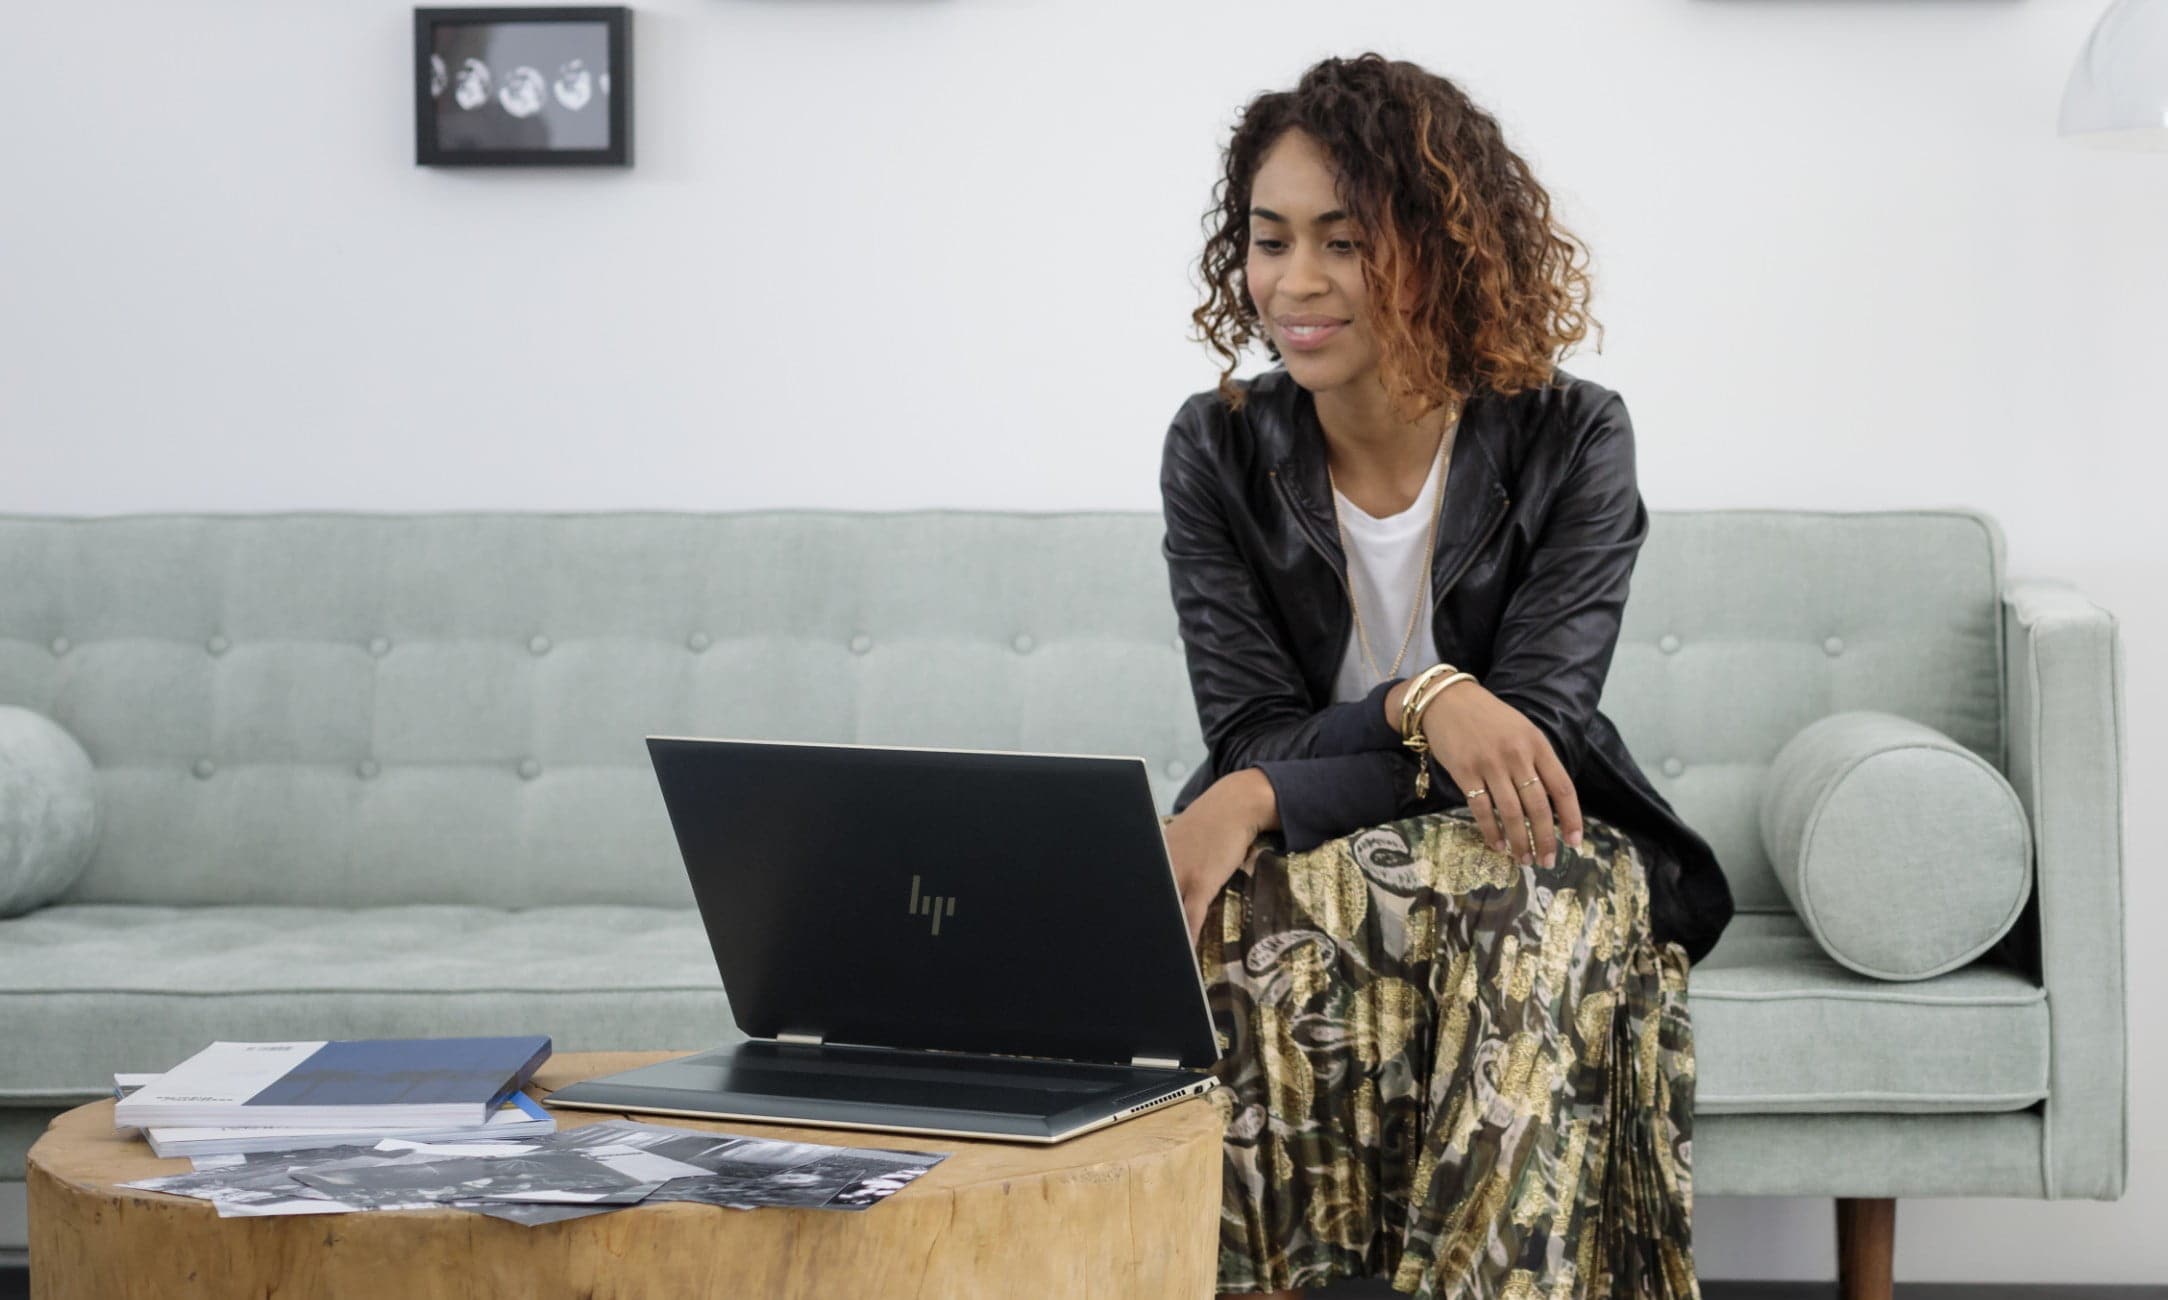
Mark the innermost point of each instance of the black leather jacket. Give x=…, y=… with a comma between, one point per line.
x=1543, y=520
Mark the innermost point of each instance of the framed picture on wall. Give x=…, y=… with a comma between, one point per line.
x=533, y=86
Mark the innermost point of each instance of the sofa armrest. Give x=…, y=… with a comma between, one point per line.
x=2064, y=710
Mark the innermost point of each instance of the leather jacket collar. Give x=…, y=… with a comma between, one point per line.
x=1475, y=492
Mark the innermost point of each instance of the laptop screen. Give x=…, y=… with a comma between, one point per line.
x=956, y=900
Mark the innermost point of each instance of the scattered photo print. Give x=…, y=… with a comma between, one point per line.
x=569, y=1174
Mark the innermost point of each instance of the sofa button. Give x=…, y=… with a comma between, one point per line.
x=60, y=645
x=218, y=645
x=204, y=767
x=1177, y=769
x=366, y=769
x=1023, y=643
x=529, y=769
x=1833, y=645
x=539, y=644
x=380, y=646
x=1672, y=767
x=861, y=643
x=698, y=642
x=1668, y=643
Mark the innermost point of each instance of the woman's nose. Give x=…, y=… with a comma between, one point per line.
x=1303, y=273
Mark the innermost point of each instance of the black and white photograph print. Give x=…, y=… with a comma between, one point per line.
x=589, y=1169
x=745, y=1173
x=875, y=1187
x=534, y=86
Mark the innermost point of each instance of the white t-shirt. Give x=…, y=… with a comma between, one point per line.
x=1384, y=566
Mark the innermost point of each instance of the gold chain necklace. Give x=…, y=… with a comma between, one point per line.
x=1407, y=638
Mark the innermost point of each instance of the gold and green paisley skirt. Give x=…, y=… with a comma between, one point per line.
x=1442, y=1068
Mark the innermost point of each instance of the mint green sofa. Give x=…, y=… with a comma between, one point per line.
x=375, y=774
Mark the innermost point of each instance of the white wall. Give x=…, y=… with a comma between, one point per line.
x=911, y=253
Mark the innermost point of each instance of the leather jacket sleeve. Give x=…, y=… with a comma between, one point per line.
x=1252, y=703
x=1560, y=626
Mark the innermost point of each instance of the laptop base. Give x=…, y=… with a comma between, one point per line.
x=938, y=1094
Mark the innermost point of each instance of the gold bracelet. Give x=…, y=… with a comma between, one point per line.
x=1419, y=742
x=1415, y=689
x=1414, y=737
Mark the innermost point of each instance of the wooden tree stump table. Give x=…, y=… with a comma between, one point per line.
x=1125, y=1213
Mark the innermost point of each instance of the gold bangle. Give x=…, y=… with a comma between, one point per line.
x=1434, y=692
x=1411, y=709
x=1415, y=690
x=1415, y=687
x=1423, y=703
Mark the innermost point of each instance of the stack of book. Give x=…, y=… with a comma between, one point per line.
x=295, y=1096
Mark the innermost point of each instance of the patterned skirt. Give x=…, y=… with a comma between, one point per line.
x=1469, y=1077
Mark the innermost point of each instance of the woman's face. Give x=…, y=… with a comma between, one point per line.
x=1305, y=266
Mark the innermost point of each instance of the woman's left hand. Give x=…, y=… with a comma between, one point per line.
x=1488, y=746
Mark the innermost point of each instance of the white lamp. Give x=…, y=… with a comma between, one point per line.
x=2118, y=94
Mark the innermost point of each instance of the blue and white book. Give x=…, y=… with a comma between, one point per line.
x=520, y=1117
x=354, y=1083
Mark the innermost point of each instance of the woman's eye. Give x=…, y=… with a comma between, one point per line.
x=1273, y=245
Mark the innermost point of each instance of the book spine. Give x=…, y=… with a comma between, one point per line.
x=519, y=1079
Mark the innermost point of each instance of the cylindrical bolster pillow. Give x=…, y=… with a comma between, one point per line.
x=48, y=810
x=1905, y=853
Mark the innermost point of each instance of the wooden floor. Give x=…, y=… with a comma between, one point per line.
x=15, y=1285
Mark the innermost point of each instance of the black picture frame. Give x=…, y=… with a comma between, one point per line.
x=520, y=115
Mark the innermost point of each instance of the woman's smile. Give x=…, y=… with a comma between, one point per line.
x=1305, y=338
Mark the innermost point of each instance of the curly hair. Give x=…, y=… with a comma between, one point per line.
x=1447, y=210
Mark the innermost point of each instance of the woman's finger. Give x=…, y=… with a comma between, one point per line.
x=1508, y=803
x=1479, y=807
x=1565, y=801
x=1536, y=805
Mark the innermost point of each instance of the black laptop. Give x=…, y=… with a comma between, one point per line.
x=953, y=942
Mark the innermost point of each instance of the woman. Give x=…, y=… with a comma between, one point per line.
x=1452, y=996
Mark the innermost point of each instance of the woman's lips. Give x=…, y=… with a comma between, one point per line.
x=1309, y=340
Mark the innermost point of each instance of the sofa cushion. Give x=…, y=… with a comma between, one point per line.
x=48, y=810
x=1904, y=852
x=89, y=989
x=95, y=988
x=1779, y=1026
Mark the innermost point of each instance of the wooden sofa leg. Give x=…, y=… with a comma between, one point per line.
x=1866, y=1240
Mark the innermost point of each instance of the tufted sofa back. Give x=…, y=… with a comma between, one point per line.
x=354, y=709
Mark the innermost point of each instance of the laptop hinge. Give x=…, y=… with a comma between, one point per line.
x=1156, y=1062
x=810, y=1040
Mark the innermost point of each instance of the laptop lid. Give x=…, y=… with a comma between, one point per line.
x=957, y=900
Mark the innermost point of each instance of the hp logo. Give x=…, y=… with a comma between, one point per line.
x=933, y=905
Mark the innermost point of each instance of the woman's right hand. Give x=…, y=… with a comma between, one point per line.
x=1208, y=842
x=1483, y=742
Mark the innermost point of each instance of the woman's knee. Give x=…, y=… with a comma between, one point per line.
x=1492, y=896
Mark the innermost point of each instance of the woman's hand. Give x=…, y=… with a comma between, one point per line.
x=1482, y=741
x=1215, y=837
